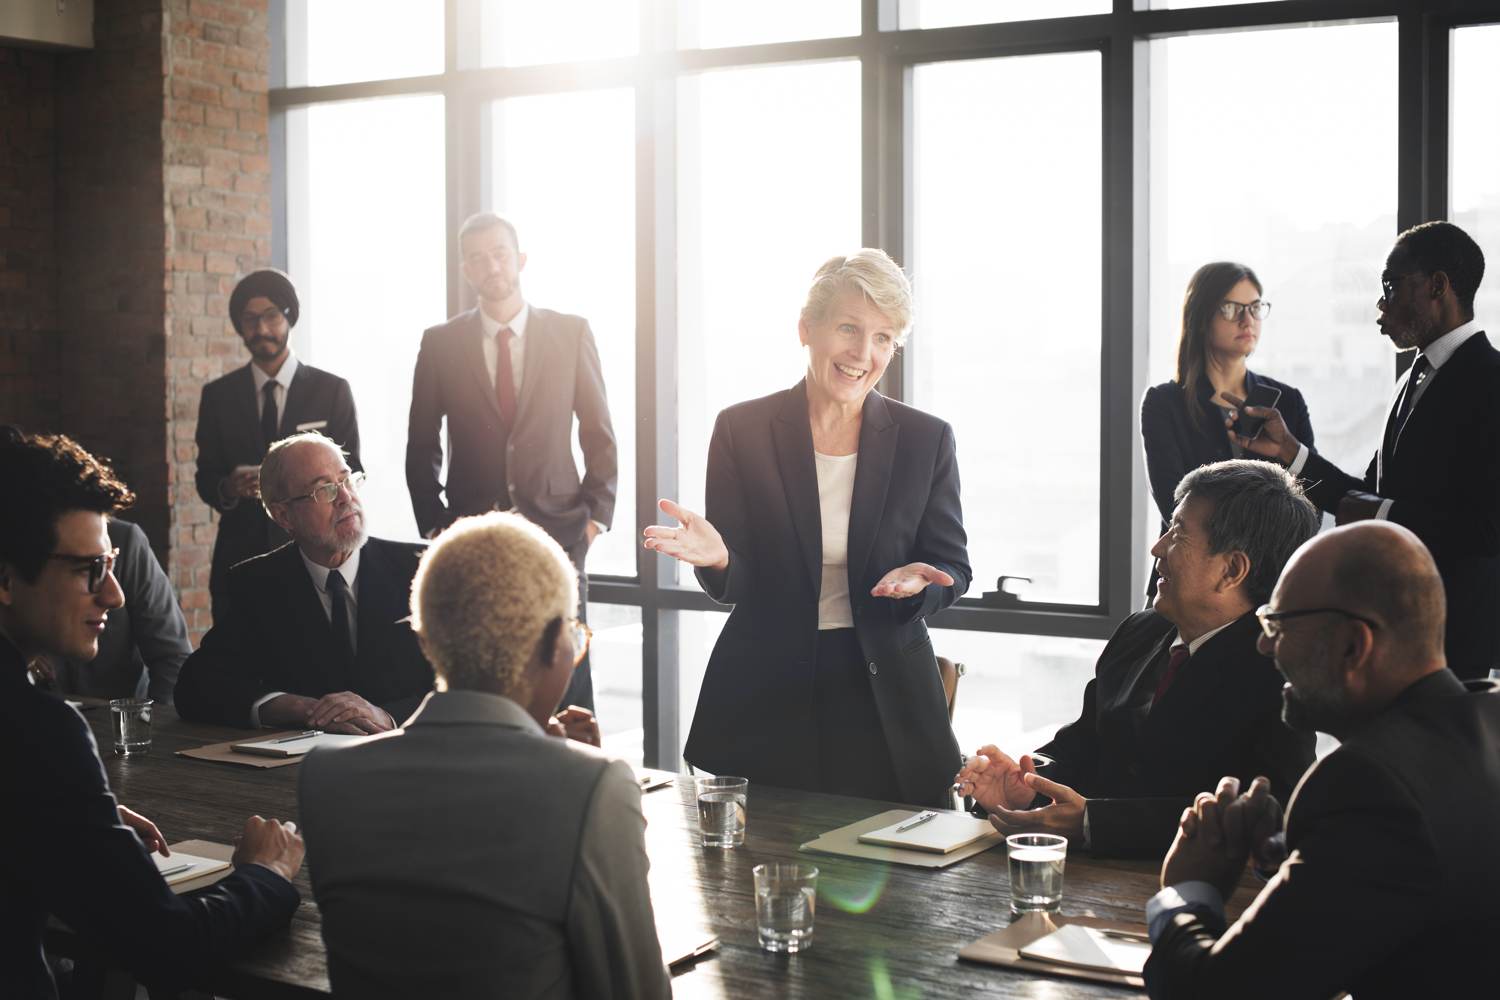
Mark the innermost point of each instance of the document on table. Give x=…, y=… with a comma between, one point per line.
x=296, y=745
x=184, y=867
x=937, y=831
x=1091, y=948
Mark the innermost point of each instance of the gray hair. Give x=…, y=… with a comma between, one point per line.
x=481, y=221
x=1258, y=509
x=273, y=485
x=872, y=271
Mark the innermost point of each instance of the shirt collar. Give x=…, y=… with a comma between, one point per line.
x=319, y=573
x=1447, y=345
x=282, y=378
x=517, y=322
x=1197, y=643
x=459, y=707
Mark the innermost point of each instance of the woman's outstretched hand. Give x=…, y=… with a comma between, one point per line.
x=695, y=541
x=910, y=580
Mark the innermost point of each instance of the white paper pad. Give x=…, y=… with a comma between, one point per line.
x=1090, y=948
x=296, y=747
x=172, y=868
x=942, y=835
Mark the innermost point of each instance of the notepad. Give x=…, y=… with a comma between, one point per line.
x=943, y=834
x=185, y=867
x=1091, y=948
x=295, y=746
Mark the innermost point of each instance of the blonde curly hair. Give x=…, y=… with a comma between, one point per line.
x=484, y=593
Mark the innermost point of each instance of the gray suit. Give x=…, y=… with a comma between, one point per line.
x=472, y=855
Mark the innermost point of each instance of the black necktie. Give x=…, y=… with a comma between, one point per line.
x=1421, y=370
x=338, y=599
x=268, y=421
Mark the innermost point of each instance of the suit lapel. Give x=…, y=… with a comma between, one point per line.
x=878, y=436
x=792, y=434
x=536, y=360
x=309, y=623
x=472, y=356
x=245, y=421
x=380, y=604
x=297, y=401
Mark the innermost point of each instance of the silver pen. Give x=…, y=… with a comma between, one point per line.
x=918, y=820
x=300, y=736
x=176, y=870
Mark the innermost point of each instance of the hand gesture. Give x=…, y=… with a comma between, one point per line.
x=1215, y=834
x=910, y=580
x=244, y=484
x=146, y=830
x=347, y=712
x=695, y=541
x=993, y=779
x=1064, y=816
x=1273, y=441
x=276, y=845
x=575, y=723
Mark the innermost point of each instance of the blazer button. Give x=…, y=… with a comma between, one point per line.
x=873, y=669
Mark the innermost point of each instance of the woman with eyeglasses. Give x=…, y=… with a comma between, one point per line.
x=1184, y=421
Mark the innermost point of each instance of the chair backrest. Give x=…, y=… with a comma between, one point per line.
x=950, y=672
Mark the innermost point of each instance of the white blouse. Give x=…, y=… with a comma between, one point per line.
x=835, y=496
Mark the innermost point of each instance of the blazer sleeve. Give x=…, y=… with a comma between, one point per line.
x=157, y=627
x=596, y=434
x=424, y=443
x=1339, y=888
x=724, y=507
x=213, y=462
x=941, y=540
x=610, y=926
x=1165, y=462
x=94, y=874
x=1075, y=748
x=1294, y=412
x=1467, y=518
x=1327, y=484
x=220, y=680
x=343, y=422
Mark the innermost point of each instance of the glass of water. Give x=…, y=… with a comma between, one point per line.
x=786, y=898
x=721, y=811
x=1036, y=871
x=130, y=721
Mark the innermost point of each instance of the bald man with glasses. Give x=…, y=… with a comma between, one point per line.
x=317, y=635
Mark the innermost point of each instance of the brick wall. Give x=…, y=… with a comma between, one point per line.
x=28, y=243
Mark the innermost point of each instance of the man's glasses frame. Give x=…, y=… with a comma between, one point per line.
x=98, y=566
x=1232, y=311
x=329, y=492
x=1270, y=619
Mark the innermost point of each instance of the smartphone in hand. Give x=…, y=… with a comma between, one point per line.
x=1247, y=426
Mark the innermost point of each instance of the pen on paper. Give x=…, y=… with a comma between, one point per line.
x=176, y=870
x=300, y=736
x=917, y=820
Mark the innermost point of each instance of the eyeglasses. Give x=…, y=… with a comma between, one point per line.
x=1232, y=311
x=497, y=255
x=582, y=636
x=254, y=321
x=1388, y=286
x=1270, y=621
x=98, y=566
x=329, y=492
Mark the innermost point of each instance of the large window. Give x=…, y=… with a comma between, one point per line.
x=1049, y=173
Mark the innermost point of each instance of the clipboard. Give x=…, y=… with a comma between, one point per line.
x=844, y=842
x=1003, y=948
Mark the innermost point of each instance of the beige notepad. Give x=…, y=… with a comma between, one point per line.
x=295, y=744
x=185, y=867
x=224, y=753
x=944, y=833
x=650, y=779
x=845, y=842
x=1096, y=948
x=203, y=850
x=1004, y=947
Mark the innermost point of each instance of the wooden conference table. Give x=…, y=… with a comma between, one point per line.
x=882, y=931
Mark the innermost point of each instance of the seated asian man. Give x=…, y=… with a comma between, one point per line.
x=317, y=633
x=471, y=854
x=1389, y=889
x=69, y=849
x=1180, y=695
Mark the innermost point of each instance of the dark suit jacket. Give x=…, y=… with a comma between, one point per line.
x=277, y=637
x=229, y=435
x=1174, y=447
x=1140, y=766
x=1389, y=889
x=755, y=709
x=1444, y=478
x=147, y=638
x=65, y=852
x=560, y=376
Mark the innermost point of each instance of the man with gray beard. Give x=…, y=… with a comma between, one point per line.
x=317, y=634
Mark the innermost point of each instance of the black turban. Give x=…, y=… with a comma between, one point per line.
x=272, y=284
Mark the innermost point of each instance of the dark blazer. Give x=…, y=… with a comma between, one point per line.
x=1140, y=766
x=1174, y=447
x=277, y=637
x=535, y=474
x=65, y=852
x=229, y=436
x=1444, y=478
x=1389, y=889
x=755, y=708
x=146, y=640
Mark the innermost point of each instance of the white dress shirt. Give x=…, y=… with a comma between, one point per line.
x=283, y=380
x=835, y=497
x=349, y=570
x=517, y=326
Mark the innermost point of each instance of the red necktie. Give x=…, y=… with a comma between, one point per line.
x=505, y=379
x=1179, y=656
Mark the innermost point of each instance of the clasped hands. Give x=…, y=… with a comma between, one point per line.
x=1220, y=831
x=340, y=712
x=575, y=723
x=1006, y=788
x=697, y=542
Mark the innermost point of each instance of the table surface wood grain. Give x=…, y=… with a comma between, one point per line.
x=882, y=931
